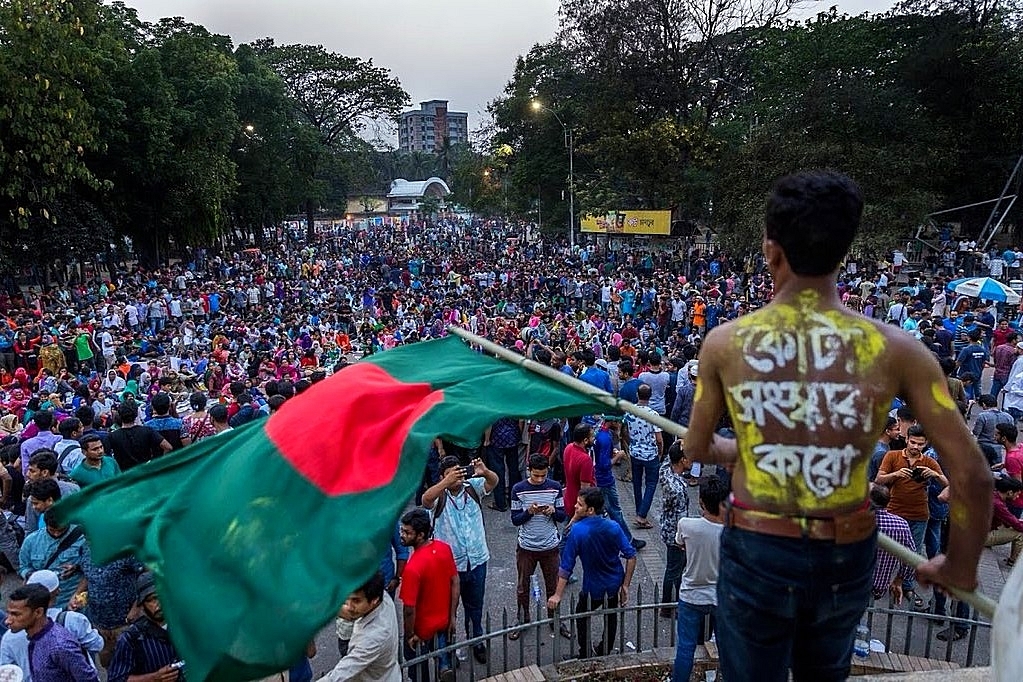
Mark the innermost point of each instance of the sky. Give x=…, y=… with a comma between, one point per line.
x=463, y=51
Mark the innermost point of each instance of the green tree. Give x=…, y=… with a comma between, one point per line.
x=429, y=205
x=830, y=93
x=336, y=96
x=47, y=125
x=264, y=149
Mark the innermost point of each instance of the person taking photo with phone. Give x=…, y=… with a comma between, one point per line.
x=455, y=504
x=907, y=474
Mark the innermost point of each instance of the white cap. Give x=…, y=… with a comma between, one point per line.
x=46, y=578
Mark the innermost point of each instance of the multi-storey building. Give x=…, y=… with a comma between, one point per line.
x=427, y=129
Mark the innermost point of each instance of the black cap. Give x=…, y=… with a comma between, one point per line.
x=146, y=586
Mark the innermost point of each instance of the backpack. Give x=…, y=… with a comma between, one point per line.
x=60, y=620
x=59, y=473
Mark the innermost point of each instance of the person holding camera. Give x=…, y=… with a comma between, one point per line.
x=907, y=473
x=455, y=505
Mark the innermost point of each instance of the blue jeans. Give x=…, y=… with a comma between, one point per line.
x=301, y=671
x=421, y=672
x=918, y=529
x=689, y=624
x=996, y=386
x=473, y=585
x=613, y=507
x=790, y=603
x=505, y=463
x=674, y=566
x=932, y=537
x=644, y=494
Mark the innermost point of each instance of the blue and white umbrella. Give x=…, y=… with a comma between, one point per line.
x=984, y=287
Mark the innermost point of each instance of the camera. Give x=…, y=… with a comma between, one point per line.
x=918, y=474
x=468, y=471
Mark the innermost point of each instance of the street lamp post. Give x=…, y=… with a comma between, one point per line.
x=569, y=142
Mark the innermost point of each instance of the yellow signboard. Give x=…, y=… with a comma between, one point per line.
x=629, y=222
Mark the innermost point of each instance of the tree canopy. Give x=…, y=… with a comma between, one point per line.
x=699, y=107
x=165, y=133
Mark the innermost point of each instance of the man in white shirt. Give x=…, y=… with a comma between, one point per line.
x=697, y=595
x=373, y=649
x=131, y=316
x=14, y=645
x=106, y=343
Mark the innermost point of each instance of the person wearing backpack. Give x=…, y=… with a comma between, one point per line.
x=54, y=653
x=457, y=512
x=68, y=449
x=14, y=645
x=61, y=549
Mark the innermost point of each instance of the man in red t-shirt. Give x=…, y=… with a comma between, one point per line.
x=578, y=464
x=429, y=594
x=1007, y=435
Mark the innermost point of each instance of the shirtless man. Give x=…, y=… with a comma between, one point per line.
x=807, y=383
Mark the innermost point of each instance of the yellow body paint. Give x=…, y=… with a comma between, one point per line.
x=698, y=395
x=957, y=514
x=788, y=349
x=939, y=392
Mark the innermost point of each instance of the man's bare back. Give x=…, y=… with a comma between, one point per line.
x=807, y=387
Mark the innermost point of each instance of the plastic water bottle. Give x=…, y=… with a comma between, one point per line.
x=861, y=645
x=534, y=588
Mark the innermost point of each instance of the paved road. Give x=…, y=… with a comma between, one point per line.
x=500, y=597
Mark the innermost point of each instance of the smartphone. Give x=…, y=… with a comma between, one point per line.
x=177, y=665
x=468, y=471
x=696, y=470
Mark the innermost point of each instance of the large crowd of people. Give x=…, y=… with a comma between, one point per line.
x=101, y=375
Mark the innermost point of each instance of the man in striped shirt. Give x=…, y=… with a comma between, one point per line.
x=889, y=572
x=145, y=649
x=537, y=507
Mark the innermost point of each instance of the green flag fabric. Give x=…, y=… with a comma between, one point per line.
x=256, y=536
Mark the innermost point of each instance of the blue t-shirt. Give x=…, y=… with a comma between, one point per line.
x=599, y=543
x=971, y=359
x=598, y=378
x=630, y=390
x=603, y=449
x=880, y=450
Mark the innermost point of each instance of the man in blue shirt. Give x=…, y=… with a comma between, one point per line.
x=592, y=374
x=7, y=357
x=598, y=542
x=605, y=456
x=171, y=428
x=144, y=650
x=971, y=359
x=629, y=388
x=962, y=333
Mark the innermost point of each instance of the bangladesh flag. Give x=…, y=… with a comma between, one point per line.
x=257, y=536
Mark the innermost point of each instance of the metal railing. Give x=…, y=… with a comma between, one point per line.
x=642, y=629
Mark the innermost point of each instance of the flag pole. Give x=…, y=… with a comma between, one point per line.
x=984, y=604
x=589, y=390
